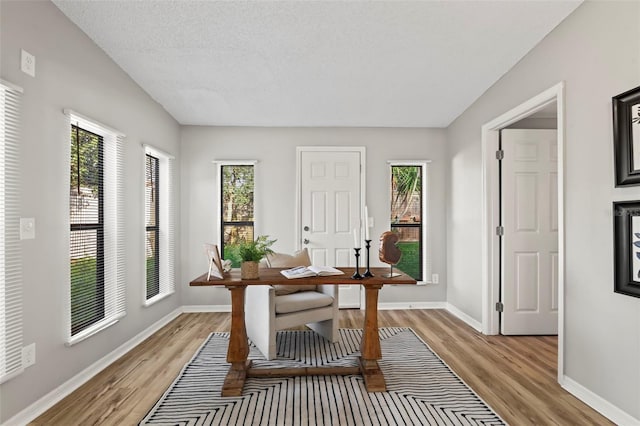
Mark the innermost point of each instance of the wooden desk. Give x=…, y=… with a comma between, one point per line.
x=238, y=349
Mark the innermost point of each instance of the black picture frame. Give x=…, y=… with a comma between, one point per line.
x=626, y=243
x=624, y=121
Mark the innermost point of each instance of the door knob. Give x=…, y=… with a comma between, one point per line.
x=305, y=241
x=306, y=228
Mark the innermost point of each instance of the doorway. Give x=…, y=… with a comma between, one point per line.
x=491, y=211
x=329, y=209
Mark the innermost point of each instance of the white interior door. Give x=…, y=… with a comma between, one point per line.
x=330, y=208
x=529, y=209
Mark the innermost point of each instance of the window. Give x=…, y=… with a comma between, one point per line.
x=95, y=250
x=152, y=241
x=10, y=263
x=159, y=220
x=236, y=206
x=408, y=213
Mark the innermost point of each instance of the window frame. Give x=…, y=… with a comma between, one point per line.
x=113, y=181
x=219, y=222
x=166, y=226
x=425, y=243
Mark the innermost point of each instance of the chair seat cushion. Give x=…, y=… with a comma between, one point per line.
x=301, y=301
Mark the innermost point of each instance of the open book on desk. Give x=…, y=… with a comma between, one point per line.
x=310, y=271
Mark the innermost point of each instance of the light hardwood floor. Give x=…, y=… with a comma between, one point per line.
x=515, y=375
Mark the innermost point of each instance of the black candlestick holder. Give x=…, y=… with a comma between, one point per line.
x=367, y=273
x=356, y=275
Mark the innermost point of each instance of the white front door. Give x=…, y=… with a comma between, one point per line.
x=330, y=208
x=529, y=210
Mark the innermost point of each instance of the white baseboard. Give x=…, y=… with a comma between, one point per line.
x=464, y=317
x=49, y=400
x=206, y=308
x=598, y=403
x=410, y=305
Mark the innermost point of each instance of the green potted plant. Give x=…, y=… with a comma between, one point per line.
x=250, y=253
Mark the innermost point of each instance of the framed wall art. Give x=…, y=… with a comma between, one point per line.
x=626, y=247
x=626, y=137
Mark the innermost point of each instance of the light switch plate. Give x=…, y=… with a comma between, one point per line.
x=27, y=228
x=27, y=63
x=29, y=355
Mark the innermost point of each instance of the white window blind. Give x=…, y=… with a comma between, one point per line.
x=159, y=225
x=97, y=283
x=10, y=262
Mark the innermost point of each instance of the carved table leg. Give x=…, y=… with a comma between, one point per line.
x=370, y=345
x=238, y=349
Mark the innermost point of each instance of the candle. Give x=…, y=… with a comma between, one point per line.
x=366, y=223
x=356, y=240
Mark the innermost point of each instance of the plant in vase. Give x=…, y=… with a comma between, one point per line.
x=250, y=253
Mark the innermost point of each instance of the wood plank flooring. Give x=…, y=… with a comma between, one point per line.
x=514, y=375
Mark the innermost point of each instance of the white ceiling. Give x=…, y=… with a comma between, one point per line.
x=316, y=63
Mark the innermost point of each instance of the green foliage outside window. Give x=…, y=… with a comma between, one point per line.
x=237, y=210
x=406, y=217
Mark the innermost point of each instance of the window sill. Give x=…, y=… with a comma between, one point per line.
x=157, y=298
x=94, y=329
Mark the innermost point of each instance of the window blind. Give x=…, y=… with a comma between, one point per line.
x=97, y=284
x=10, y=256
x=159, y=222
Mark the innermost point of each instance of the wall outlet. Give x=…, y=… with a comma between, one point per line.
x=29, y=355
x=27, y=228
x=27, y=63
x=435, y=278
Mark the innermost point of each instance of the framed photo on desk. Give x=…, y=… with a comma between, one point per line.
x=215, y=262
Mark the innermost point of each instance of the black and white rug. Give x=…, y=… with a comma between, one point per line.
x=422, y=390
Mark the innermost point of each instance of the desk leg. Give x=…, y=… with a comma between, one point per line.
x=370, y=345
x=238, y=349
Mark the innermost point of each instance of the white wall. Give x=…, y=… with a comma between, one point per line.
x=596, y=51
x=71, y=72
x=275, y=150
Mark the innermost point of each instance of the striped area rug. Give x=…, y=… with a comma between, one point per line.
x=421, y=389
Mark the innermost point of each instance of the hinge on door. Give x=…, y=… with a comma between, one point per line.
x=499, y=154
x=500, y=230
x=499, y=307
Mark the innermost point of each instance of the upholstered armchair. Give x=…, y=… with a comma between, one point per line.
x=272, y=308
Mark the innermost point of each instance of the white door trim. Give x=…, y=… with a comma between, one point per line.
x=491, y=209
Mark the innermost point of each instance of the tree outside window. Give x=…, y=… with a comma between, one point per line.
x=87, y=229
x=236, y=208
x=407, y=217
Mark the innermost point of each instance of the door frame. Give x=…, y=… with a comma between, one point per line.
x=491, y=211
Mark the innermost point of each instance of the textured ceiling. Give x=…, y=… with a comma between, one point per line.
x=316, y=63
